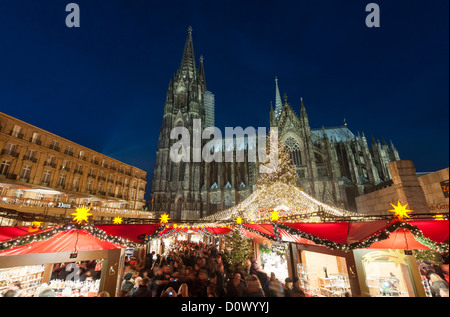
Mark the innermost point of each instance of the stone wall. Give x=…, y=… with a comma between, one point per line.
x=432, y=185
x=406, y=188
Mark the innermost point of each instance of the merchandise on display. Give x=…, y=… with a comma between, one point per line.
x=30, y=277
x=70, y=288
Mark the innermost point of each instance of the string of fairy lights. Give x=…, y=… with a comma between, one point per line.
x=241, y=222
x=289, y=201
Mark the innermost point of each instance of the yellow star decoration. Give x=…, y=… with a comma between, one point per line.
x=164, y=218
x=36, y=224
x=238, y=220
x=274, y=216
x=400, y=211
x=117, y=220
x=81, y=214
x=397, y=256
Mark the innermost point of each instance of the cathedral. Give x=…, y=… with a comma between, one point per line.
x=333, y=164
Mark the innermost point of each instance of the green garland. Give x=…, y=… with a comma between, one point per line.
x=96, y=232
x=383, y=235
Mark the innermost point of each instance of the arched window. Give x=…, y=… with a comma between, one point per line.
x=293, y=147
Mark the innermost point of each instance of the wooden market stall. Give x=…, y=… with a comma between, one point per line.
x=34, y=254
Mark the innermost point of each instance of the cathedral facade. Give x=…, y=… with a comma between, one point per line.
x=333, y=164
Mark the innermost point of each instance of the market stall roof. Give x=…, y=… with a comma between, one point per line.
x=7, y=233
x=348, y=233
x=286, y=199
x=131, y=232
x=63, y=241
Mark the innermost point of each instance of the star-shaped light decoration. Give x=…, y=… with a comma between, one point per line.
x=35, y=226
x=81, y=214
x=117, y=220
x=397, y=256
x=164, y=218
x=400, y=212
x=274, y=216
x=238, y=220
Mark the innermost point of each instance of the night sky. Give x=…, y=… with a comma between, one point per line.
x=103, y=85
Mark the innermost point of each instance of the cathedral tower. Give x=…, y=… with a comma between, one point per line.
x=176, y=186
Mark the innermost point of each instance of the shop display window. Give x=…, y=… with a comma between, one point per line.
x=76, y=279
x=387, y=274
x=273, y=259
x=323, y=275
x=29, y=277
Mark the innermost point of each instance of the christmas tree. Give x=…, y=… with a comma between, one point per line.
x=285, y=170
x=240, y=249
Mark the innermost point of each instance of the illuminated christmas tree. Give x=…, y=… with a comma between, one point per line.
x=285, y=170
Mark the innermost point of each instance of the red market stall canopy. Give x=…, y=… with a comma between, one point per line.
x=135, y=233
x=7, y=233
x=381, y=234
x=61, y=239
x=352, y=235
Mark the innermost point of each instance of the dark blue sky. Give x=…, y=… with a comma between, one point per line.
x=103, y=85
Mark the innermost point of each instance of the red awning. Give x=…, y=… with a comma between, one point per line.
x=129, y=232
x=333, y=231
x=399, y=239
x=7, y=233
x=63, y=241
x=436, y=230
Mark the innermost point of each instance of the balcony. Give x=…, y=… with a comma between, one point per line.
x=68, y=152
x=35, y=141
x=91, y=175
x=79, y=172
x=65, y=169
x=9, y=176
x=50, y=164
x=29, y=159
x=57, y=208
x=11, y=153
x=101, y=178
x=54, y=147
x=16, y=134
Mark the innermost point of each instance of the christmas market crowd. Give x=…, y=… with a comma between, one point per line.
x=195, y=269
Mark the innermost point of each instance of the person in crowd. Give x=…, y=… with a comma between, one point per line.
x=264, y=280
x=288, y=287
x=275, y=287
x=10, y=293
x=297, y=291
x=104, y=294
x=215, y=286
x=174, y=282
x=127, y=284
x=253, y=287
x=183, y=291
x=439, y=287
x=143, y=290
x=235, y=286
x=137, y=283
x=254, y=267
x=169, y=292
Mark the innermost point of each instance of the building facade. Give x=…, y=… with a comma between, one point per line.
x=49, y=173
x=333, y=164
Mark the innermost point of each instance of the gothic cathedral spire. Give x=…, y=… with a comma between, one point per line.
x=187, y=67
x=278, y=103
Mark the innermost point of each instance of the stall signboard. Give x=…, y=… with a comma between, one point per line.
x=444, y=186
